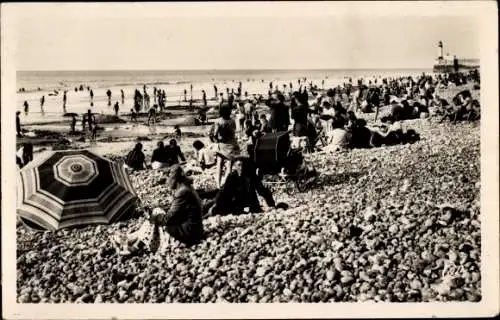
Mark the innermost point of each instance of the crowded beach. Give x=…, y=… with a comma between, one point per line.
x=241, y=196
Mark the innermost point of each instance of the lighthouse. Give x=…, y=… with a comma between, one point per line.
x=440, y=50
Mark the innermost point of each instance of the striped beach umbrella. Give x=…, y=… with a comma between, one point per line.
x=73, y=188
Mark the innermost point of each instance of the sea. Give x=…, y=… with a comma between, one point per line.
x=49, y=80
x=180, y=86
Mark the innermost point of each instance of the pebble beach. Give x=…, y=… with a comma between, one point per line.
x=391, y=224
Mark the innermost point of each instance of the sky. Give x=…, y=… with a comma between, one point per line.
x=159, y=37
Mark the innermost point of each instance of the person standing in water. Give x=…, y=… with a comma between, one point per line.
x=26, y=107
x=185, y=95
x=123, y=96
x=42, y=102
x=191, y=90
x=117, y=108
x=204, y=98
x=215, y=90
x=108, y=93
x=64, y=101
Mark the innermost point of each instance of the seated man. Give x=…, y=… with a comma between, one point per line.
x=240, y=191
x=205, y=156
x=174, y=153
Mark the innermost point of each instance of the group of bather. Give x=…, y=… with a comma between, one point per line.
x=310, y=116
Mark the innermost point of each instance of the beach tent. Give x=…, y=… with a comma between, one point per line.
x=73, y=188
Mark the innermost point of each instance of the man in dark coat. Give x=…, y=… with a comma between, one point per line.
x=280, y=117
x=240, y=191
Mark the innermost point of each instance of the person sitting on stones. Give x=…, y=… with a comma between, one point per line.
x=240, y=190
x=339, y=137
x=135, y=159
x=174, y=153
x=393, y=135
x=183, y=220
x=160, y=156
x=360, y=134
x=206, y=156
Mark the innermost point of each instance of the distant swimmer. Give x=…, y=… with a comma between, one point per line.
x=215, y=90
x=185, y=94
x=91, y=98
x=123, y=96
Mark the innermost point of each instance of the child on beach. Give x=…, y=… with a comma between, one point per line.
x=133, y=115
x=205, y=156
x=177, y=131
x=152, y=115
x=108, y=93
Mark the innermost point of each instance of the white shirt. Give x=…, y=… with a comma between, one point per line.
x=207, y=155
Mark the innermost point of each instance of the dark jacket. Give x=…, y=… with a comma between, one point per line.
x=280, y=118
x=239, y=192
x=160, y=155
x=299, y=115
x=135, y=159
x=173, y=155
x=183, y=220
